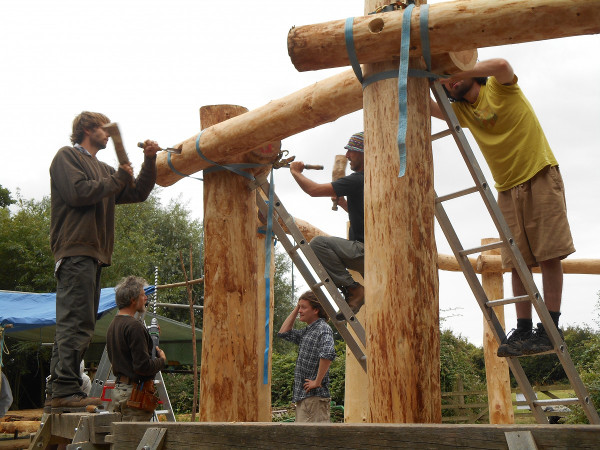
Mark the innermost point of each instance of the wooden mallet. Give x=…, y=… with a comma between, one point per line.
x=339, y=171
x=113, y=130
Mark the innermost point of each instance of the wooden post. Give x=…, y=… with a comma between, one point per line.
x=402, y=323
x=496, y=369
x=453, y=27
x=230, y=364
x=356, y=401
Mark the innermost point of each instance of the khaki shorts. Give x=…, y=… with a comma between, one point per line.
x=536, y=213
x=313, y=409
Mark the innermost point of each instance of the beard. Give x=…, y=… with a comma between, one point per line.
x=458, y=93
x=98, y=143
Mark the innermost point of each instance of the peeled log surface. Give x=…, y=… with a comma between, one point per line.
x=307, y=108
x=255, y=133
x=230, y=338
x=453, y=27
x=401, y=280
x=496, y=369
x=21, y=426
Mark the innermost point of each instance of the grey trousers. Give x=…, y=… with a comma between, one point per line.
x=337, y=255
x=77, y=300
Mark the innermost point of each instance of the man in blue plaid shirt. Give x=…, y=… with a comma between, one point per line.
x=315, y=354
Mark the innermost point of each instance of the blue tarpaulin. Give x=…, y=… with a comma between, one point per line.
x=28, y=310
x=33, y=317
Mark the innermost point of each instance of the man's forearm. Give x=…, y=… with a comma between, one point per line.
x=498, y=68
x=288, y=323
x=324, y=365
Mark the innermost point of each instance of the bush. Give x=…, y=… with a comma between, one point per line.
x=181, y=391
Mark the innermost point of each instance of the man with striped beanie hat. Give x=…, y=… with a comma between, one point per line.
x=337, y=255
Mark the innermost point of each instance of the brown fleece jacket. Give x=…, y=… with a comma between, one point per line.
x=83, y=193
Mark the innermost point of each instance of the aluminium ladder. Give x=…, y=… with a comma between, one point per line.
x=506, y=241
x=324, y=283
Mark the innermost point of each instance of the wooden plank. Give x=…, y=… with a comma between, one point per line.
x=290, y=436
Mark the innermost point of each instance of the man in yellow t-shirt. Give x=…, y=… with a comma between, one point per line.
x=488, y=101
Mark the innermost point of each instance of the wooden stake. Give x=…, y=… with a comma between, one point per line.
x=496, y=369
x=193, y=325
x=402, y=322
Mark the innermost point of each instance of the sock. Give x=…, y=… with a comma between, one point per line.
x=524, y=324
x=555, y=315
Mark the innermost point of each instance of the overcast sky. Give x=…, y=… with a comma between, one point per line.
x=149, y=65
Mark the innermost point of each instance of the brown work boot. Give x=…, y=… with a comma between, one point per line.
x=78, y=401
x=355, y=297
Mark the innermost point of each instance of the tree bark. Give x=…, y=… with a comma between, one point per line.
x=401, y=283
x=453, y=27
x=230, y=363
x=496, y=369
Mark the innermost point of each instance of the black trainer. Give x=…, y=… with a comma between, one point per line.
x=512, y=345
x=540, y=341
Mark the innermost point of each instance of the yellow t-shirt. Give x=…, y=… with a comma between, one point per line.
x=507, y=131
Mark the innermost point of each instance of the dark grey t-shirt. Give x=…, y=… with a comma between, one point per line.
x=353, y=187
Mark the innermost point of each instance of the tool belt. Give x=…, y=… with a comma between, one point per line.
x=143, y=396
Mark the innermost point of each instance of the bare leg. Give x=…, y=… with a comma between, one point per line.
x=552, y=280
x=523, y=308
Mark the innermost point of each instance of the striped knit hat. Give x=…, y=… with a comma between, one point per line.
x=356, y=142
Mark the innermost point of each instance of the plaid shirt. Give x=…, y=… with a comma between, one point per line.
x=315, y=342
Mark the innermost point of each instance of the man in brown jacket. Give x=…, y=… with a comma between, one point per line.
x=84, y=192
x=129, y=348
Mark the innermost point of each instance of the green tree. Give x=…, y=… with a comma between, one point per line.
x=26, y=262
x=5, y=198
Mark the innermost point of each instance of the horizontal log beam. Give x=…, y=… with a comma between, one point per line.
x=250, y=133
x=320, y=103
x=453, y=26
x=493, y=263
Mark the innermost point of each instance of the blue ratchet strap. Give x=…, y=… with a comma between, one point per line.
x=349, y=35
x=231, y=168
x=402, y=83
x=172, y=167
x=269, y=236
x=235, y=168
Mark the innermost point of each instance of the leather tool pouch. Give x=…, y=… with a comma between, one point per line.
x=143, y=396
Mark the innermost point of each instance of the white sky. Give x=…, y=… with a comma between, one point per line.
x=150, y=65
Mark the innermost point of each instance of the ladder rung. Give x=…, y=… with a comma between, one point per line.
x=557, y=401
x=481, y=248
x=441, y=134
x=508, y=301
x=457, y=194
x=318, y=285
